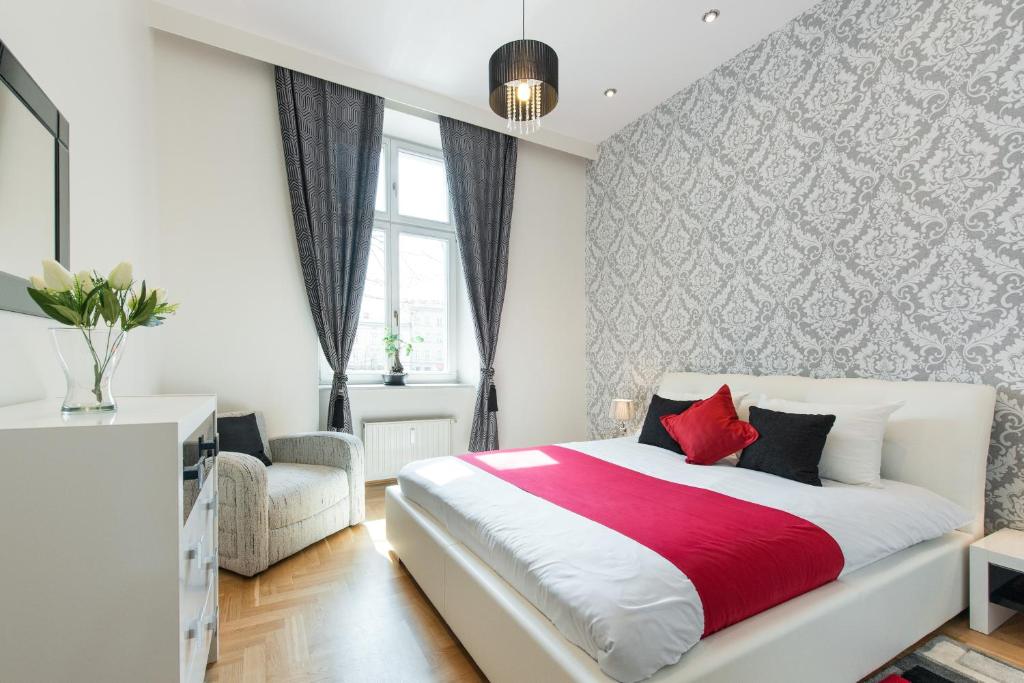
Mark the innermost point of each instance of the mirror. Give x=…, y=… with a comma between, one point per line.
x=33, y=183
x=27, y=192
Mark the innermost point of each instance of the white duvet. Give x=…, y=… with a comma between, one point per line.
x=625, y=605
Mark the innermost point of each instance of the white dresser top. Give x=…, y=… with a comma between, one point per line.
x=183, y=410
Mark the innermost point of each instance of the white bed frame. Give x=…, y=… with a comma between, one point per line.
x=840, y=632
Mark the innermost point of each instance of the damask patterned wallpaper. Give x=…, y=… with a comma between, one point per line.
x=842, y=199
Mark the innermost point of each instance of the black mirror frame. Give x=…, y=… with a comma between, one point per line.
x=13, y=296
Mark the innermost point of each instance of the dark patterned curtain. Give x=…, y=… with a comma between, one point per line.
x=332, y=140
x=481, y=168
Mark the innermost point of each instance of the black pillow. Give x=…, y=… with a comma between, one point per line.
x=653, y=433
x=789, y=444
x=242, y=435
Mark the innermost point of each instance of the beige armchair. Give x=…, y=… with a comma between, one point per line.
x=315, y=488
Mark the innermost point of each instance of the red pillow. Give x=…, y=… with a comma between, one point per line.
x=710, y=430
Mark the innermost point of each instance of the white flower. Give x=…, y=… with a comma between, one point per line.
x=85, y=281
x=161, y=295
x=57, y=277
x=37, y=283
x=121, y=276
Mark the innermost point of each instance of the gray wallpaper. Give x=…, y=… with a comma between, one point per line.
x=842, y=199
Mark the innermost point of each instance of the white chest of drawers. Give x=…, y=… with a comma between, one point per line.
x=106, y=575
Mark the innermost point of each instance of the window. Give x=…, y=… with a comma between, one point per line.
x=423, y=193
x=411, y=270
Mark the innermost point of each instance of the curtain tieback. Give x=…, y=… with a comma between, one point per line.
x=492, y=395
x=337, y=412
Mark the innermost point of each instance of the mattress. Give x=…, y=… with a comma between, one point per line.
x=625, y=605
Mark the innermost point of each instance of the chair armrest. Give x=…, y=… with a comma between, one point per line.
x=244, y=513
x=333, y=449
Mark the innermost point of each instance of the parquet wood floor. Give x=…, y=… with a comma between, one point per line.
x=342, y=610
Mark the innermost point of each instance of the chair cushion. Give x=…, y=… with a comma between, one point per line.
x=298, y=492
x=260, y=422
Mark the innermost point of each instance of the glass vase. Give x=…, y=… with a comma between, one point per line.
x=89, y=358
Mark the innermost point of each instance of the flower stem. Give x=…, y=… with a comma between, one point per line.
x=97, y=370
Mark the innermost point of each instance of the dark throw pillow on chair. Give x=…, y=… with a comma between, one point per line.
x=790, y=445
x=241, y=434
x=653, y=433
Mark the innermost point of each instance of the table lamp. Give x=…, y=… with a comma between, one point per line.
x=623, y=411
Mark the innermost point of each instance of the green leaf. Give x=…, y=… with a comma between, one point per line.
x=89, y=304
x=50, y=308
x=109, y=306
x=71, y=315
x=93, y=295
x=143, y=313
x=40, y=297
x=148, y=308
x=57, y=315
x=166, y=309
x=48, y=305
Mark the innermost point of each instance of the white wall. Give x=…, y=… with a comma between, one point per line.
x=93, y=59
x=226, y=241
x=539, y=367
x=228, y=252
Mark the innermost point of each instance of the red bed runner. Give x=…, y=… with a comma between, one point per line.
x=741, y=557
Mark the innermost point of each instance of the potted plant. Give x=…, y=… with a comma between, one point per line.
x=393, y=345
x=98, y=313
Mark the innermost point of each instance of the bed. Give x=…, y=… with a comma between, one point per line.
x=841, y=631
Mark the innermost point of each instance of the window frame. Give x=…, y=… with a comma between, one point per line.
x=394, y=225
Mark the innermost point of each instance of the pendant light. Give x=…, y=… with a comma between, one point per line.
x=524, y=82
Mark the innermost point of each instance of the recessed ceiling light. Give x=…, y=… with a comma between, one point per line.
x=611, y=92
x=711, y=15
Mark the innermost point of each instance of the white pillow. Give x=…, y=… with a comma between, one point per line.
x=737, y=397
x=853, y=449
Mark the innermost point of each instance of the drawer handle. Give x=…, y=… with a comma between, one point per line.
x=210, y=569
x=192, y=473
x=211, y=447
x=195, y=553
x=213, y=623
x=191, y=633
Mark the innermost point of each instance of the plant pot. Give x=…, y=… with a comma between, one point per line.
x=394, y=379
x=89, y=359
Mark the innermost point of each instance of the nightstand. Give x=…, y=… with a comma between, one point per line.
x=997, y=579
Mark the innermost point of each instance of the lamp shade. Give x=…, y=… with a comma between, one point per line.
x=623, y=409
x=523, y=80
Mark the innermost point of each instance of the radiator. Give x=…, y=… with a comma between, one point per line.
x=390, y=445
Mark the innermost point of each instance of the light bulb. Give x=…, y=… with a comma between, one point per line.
x=523, y=92
x=711, y=15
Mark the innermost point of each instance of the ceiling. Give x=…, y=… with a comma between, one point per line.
x=647, y=50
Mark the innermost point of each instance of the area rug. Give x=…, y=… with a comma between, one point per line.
x=944, y=660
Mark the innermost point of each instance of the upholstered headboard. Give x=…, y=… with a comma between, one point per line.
x=939, y=439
